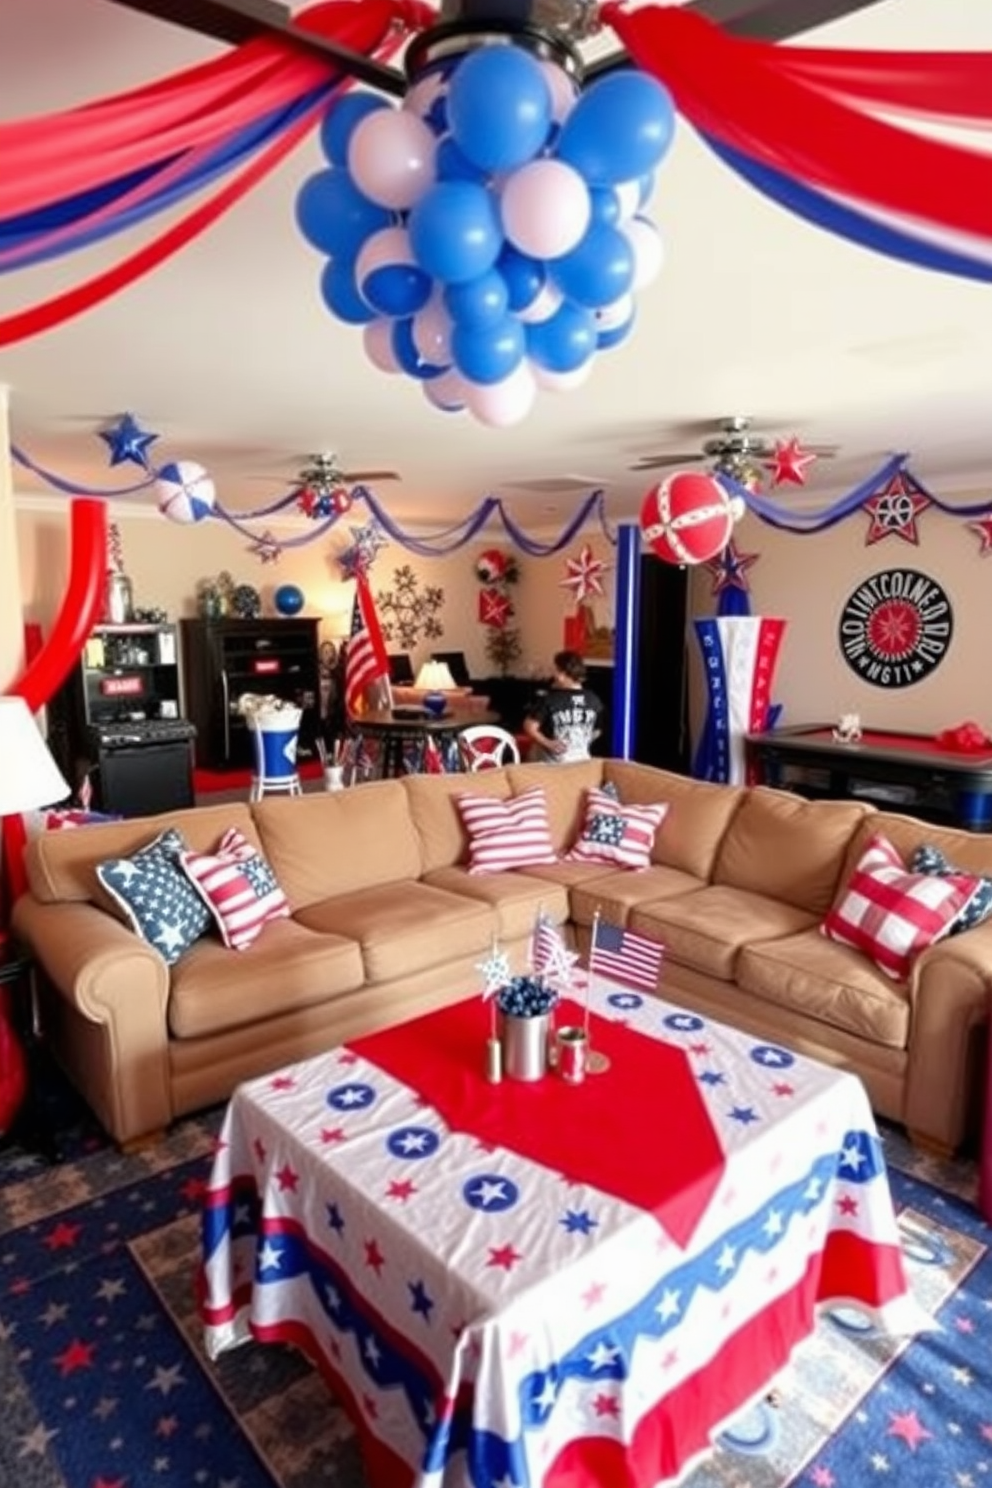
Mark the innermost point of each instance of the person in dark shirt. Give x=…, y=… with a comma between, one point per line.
x=563, y=722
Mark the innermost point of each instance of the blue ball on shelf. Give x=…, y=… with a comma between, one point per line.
x=288, y=599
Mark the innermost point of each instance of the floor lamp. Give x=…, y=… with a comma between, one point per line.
x=29, y=778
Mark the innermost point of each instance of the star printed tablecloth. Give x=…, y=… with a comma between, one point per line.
x=522, y=1284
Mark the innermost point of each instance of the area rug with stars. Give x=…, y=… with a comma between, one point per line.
x=104, y=1382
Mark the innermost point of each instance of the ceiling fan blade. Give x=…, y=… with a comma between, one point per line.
x=370, y=475
x=658, y=462
x=236, y=21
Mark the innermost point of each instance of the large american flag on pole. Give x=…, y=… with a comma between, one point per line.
x=625, y=957
x=366, y=660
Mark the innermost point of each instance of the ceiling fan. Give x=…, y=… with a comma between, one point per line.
x=323, y=473
x=734, y=447
x=551, y=26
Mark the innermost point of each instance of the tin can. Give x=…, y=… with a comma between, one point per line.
x=573, y=1049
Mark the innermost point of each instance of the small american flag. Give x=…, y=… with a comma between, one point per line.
x=625, y=956
x=547, y=947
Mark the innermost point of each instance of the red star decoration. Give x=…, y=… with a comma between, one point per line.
x=401, y=1188
x=282, y=1082
x=907, y=1425
x=584, y=575
x=788, y=462
x=193, y=1190
x=287, y=1178
x=847, y=1205
x=729, y=568
x=63, y=1237
x=594, y=1293
x=983, y=526
x=374, y=1256
x=167, y=1426
x=258, y=1147
x=783, y=1089
x=606, y=1405
x=332, y=1134
x=503, y=1256
x=894, y=510
x=76, y=1356
x=307, y=501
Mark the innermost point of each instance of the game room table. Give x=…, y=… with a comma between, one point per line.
x=534, y=1283
x=399, y=729
x=920, y=772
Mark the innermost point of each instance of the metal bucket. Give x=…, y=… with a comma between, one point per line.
x=525, y=1046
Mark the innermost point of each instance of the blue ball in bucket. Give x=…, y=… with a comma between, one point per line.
x=289, y=599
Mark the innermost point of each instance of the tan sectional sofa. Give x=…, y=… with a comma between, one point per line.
x=387, y=922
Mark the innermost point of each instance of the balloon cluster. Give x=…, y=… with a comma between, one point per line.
x=488, y=233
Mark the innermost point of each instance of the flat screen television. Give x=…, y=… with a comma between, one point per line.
x=457, y=666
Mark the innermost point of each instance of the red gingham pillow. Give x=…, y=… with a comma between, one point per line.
x=507, y=834
x=611, y=833
x=891, y=914
x=238, y=887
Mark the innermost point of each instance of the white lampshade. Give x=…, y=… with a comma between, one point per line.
x=29, y=777
x=435, y=676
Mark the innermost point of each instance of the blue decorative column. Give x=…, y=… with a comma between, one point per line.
x=627, y=610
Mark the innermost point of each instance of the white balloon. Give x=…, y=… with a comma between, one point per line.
x=649, y=250
x=378, y=339
x=391, y=157
x=390, y=245
x=545, y=208
x=564, y=93
x=500, y=404
x=616, y=314
x=562, y=382
x=431, y=332
x=629, y=196
x=425, y=93
x=448, y=392
x=542, y=306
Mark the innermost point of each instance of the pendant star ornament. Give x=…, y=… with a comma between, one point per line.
x=894, y=510
x=983, y=527
x=584, y=575
x=267, y=548
x=126, y=440
x=789, y=462
x=357, y=559
x=729, y=569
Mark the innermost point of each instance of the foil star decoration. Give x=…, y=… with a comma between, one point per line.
x=266, y=547
x=894, y=510
x=495, y=608
x=358, y=558
x=729, y=569
x=495, y=970
x=983, y=526
x=584, y=574
x=126, y=440
x=789, y=462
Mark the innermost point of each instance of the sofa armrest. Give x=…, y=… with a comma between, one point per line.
x=104, y=994
x=950, y=996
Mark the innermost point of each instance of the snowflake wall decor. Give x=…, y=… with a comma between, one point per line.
x=407, y=612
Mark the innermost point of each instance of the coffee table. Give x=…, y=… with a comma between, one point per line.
x=520, y=1284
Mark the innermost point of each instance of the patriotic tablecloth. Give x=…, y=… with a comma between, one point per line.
x=495, y=1321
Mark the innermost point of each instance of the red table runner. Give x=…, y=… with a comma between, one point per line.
x=640, y=1131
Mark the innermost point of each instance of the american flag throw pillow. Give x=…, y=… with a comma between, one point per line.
x=621, y=835
x=238, y=887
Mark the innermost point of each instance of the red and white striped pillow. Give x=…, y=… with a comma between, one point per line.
x=507, y=834
x=891, y=914
x=611, y=833
x=238, y=887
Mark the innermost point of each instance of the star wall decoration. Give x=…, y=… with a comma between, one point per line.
x=408, y=612
x=894, y=510
x=584, y=574
x=729, y=569
x=367, y=540
x=789, y=462
x=983, y=526
x=126, y=440
x=266, y=548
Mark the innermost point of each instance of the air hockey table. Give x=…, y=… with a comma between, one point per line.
x=904, y=772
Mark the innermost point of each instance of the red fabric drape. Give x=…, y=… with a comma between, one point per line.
x=948, y=85
x=737, y=92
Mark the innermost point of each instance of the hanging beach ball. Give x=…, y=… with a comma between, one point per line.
x=687, y=518
x=288, y=599
x=185, y=491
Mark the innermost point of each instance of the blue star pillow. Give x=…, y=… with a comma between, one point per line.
x=978, y=906
x=157, y=899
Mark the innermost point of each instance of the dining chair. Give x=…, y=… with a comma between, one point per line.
x=483, y=746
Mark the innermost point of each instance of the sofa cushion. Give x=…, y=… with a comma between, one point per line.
x=435, y=815
x=619, y=835
x=699, y=816
x=405, y=928
x=929, y=859
x=287, y=969
x=238, y=888
x=338, y=842
x=155, y=897
x=788, y=848
x=564, y=788
x=706, y=929
x=503, y=835
x=816, y=978
x=614, y=894
x=891, y=914
x=515, y=898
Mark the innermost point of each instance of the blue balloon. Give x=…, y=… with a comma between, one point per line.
x=340, y=293
x=455, y=231
x=339, y=122
x=611, y=330
x=487, y=354
x=499, y=107
x=565, y=341
x=288, y=599
x=478, y=302
x=334, y=216
x=599, y=270
x=451, y=165
x=524, y=277
x=620, y=128
x=396, y=289
x=409, y=358
x=605, y=205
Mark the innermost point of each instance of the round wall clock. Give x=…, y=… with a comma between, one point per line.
x=895, y=628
